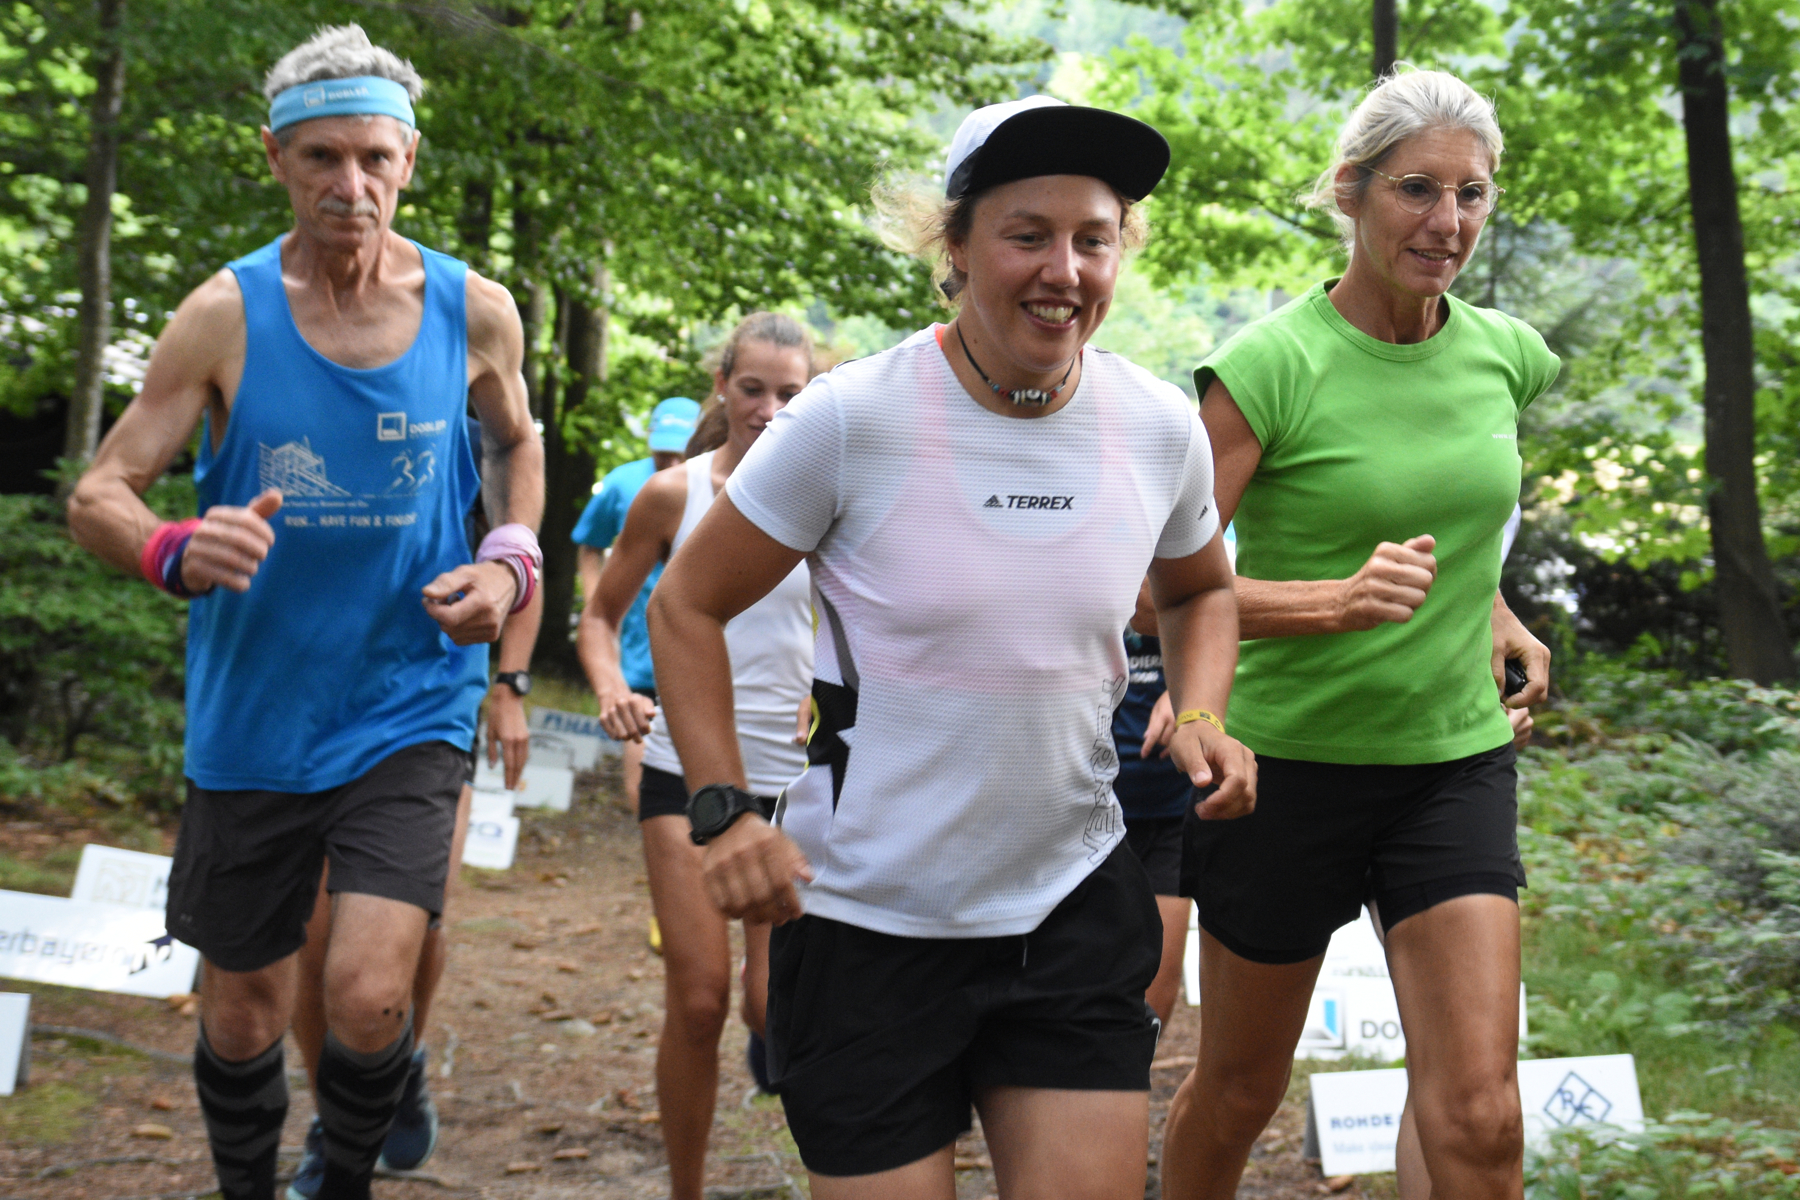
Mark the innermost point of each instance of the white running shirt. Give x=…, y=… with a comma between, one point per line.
x=971, y=573
x=771, y=648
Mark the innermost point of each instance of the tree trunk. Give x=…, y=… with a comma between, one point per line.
x=1387, y=25
x=94, y=263
x=569, y=471
x=1756, y=640
x=475, y=221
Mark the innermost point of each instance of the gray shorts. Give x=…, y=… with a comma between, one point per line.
x=247, y=863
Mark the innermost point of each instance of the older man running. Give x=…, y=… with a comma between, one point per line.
x=337, y=630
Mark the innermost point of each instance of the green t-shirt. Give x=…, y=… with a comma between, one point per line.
x=1364, y=441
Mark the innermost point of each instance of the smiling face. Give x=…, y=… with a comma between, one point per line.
x=344, y=175
x=1419, y=254
x=763, y=379
x=1042, y=257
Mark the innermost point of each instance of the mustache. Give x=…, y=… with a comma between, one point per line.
x=339, y=208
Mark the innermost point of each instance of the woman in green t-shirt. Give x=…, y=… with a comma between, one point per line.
x=1366, y=444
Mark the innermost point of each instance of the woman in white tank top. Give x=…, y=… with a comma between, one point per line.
x=766, y=362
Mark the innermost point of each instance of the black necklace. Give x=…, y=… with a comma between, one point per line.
x=1036, y=397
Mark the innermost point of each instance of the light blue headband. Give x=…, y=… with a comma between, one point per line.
x=362, y=95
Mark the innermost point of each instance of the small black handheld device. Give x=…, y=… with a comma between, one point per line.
x=1515, y=677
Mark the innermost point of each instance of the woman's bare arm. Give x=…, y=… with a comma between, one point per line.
x=726, y=565
x=1196, y=618
x=650, y=526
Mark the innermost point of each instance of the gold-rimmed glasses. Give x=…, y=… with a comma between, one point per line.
x=1419, y=193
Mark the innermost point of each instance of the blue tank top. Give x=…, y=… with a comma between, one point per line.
x=1148, y=788
x=330, y=663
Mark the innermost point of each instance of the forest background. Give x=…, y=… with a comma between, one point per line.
x=640, y=173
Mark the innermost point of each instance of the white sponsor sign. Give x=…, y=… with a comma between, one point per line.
x=485, y=802
x=1353, y=1008
x=129, y=878
x=560, y=750
x=15, y=1030
x=587, y=740
x=492, y=841
x=100, y=946
x=539, y=786
x=1357, y=1113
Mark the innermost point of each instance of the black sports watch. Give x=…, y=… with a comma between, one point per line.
x=713, y=808
x=518, y=681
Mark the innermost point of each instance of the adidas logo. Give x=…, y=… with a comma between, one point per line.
x=993, y=502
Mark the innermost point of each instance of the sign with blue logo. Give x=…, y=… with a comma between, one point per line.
x=1576, y=1102
x=1353, y=1117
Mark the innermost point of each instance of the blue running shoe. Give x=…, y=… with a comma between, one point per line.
x=309, y=1176
x=415, y=1131
x=756, y=1055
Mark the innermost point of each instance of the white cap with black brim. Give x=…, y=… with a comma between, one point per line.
x=1040, y=135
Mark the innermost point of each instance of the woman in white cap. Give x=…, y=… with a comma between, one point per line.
x=764, y=363
x=958, y=922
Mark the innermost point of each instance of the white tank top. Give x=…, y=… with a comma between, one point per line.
x=771, y=648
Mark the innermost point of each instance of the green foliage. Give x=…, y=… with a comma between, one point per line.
x=1742, y=842
x=715, y=157
x=1660, y=916
x=1622, y=702
x=91, y=666
x=1251, y=104
x=1593, y=242
x=1688, y=1154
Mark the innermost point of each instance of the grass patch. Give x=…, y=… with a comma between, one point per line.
x=549, y=691
x=44, y=1114
x=52, y=875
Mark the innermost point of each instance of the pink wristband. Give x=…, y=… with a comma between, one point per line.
x=516, y=546
x=160, y=560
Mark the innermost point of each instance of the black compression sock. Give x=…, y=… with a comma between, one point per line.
x=245, y=1105
x=357, y=1097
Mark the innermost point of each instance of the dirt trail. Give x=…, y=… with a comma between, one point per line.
x=542, y=1060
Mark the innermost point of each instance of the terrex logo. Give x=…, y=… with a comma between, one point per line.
x=1030, y=502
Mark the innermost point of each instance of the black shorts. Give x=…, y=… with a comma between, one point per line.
x=247, y=864
x=1327, y=837
x=664, y=794
x=880, y=1044
x=1157, y=843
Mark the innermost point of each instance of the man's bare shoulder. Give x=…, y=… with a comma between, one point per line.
x=203, y=343
x=493, y=317
x=215, y=307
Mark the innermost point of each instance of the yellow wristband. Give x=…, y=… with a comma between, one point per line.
x=1199, y=714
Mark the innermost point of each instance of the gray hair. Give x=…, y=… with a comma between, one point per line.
x=338, y=52
x=1402, y=105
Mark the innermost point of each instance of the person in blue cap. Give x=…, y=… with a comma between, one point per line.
x=671, y=425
